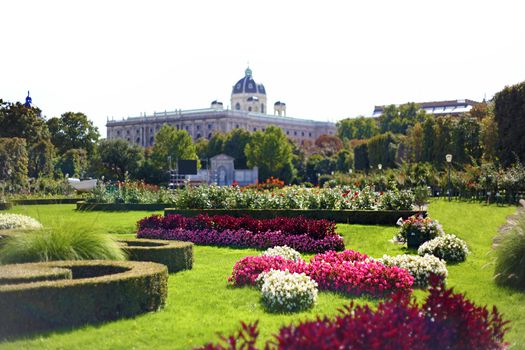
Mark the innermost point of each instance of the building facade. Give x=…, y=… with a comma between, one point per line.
x=450, y=107
x=249, y=112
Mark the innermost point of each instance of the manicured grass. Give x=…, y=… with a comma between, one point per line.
x=200, y=303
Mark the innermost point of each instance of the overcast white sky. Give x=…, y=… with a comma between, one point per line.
x=327, y=60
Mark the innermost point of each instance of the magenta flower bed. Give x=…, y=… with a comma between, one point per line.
x=445, y=321
x=301, y=234
x=246, y=239
x=348, y=272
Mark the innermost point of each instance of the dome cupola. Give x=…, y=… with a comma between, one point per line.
x=247, y=95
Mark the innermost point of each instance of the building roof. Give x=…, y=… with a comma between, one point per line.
x=438, y=107
x=247, y=85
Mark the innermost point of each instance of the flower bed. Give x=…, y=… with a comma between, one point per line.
x=420, y=267
x=305, y=235
x=285, y=252
x=445, y=320
x=348, y=272
x=16, y=221
x=447, y=247
x=416, y=230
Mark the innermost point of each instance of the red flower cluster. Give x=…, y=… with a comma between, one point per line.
x=445, y=321
x=270, y=184
x=347, y=272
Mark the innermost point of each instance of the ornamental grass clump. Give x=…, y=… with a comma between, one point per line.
x=447, y=247
x=283, y=251
x=284, y=291
x=420, y=267
x=71, y=242
x=18, y=222
x=510, y=257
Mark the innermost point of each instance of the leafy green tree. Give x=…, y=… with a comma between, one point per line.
x=509, y=112
x=73, y=131
x=170, y=142
x=382, y=150
x=489, y=138
x=328, y=145
x=216, y=144
x=414, y=142
x=73, y=162
x=270, y=151
x=466, y=141
x=429, y=139
x=116, y=157
x=357, y=128
x=398, y=119
x=13, y=162
x=345, y=160
x=443, y=140
x=235, y=144
x=201, y=148
x=148, y=172
x=361, y=161
x=17, y=120
x=41, y=159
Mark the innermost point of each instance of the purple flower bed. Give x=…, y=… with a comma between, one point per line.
x=246, y=239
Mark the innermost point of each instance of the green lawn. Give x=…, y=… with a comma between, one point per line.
x=200, y=303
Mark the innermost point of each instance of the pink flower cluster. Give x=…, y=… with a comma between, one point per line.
x=348, y=272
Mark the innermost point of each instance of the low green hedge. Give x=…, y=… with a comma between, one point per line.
x=175, y=255
x=13, y=274
x=6, y=206
x=98, y=291
x=365, y=217
x=42, y=201
x=84, y=206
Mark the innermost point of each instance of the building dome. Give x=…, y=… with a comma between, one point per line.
x=247, y=85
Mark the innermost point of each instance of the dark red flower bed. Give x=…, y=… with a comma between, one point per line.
x=301, y=234
x=446, y=320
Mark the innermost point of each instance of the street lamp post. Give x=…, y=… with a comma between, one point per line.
x=380, y=166
x=448, y=157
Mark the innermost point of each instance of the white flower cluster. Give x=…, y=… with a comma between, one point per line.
x=16, y=221
x=420, y=267
x=447, y=247
x=283, y=251
x=283, y=291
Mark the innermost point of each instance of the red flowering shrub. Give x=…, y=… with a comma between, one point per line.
x=445, y=321
x=347, y=272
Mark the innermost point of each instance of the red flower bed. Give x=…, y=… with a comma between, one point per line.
x=445, y=321
x=347, y=272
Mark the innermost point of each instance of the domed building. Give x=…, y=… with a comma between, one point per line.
x=248, y=111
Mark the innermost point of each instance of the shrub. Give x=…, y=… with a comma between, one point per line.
x=283, y=291
x=420, y=267
x=423, y=228
x=283, y=251
x=510, y=257
x=446, y=320
x=60, y=243
x=447, y=247
x=17, y=221
x=98, y=291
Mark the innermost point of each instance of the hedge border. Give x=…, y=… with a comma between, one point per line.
x=365, y=217
x=84, y=206
x=43, y=201
x=6, y=206
x=130, y=288
x=12, y=274
x=176, y=255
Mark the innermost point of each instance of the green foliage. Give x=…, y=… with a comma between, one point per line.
x=40, y=162
x=234, y=146
x=174, y=143
x=345, y=160
x=66, y=242
x=13, y=162
x=357, y=128
x=73, y=162
x=17, y=120
x=398, y=119
x=382, y=150
x=118, y=157
x=510, y=256
x=270, y=151
x=216, y=144
x=73, y=131
x=509, y=111
x=361, y=161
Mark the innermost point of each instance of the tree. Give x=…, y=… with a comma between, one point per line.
x=216, y=144
x=414, y=143
x=509, y=112
x=41, y=159
x=73, y=131
x=357, y=128
x=201, y=148
x=234, y=146
x=398, y=119
x=13, y=161
x=443, y=140
x=73, y=162
x=489, y=138
x=345, y=160
x=328, y=145
x=429, y=139
x=480, y=111
x=382, y=150
x=361, y=161
x=118, y=157
x=17, y=120
x=170, y=142
x=270, y=151
x=466, y=140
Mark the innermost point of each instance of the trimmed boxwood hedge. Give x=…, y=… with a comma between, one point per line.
x=42, y=201
x=175, y=255
x=365, y=217
x=98, y=291
x=6, y=206
x=84, y=206
x=13, y=274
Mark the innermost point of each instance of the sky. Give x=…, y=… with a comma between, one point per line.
x=327, y=60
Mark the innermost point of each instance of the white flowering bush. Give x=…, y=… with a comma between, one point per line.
x=420, y=267
x=16, y=221
x=446, y=247
x=283, y=291
x=283, y=251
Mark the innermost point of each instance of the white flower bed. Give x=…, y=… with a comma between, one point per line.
x=447, y=247
x=283, y=251
x=285, y=291
x=16, y=221
x=420, y=267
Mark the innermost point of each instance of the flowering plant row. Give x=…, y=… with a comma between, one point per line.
x=446, y=320
x=246, y=239
x=17, y=221
x=289, y=197
x=348, y=272
x=420, y=267
x=283, y=251
x=316, y=229
x=446, y=247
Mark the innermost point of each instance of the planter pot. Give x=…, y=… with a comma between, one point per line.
x=414, y=240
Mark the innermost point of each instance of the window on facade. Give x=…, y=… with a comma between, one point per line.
x=237, y=126
x=186, y=127
x=209, y=136
x=178, y=127
x=127, y=132
x=138, y=131
x=151, y=140
x=302, y=133
x=254, y=129
x=237, y=106
x=209, y=126
x=198, y=135
x=263, y=129
x=138, y=140
x=310, y=134
x=249, y=109
x=128, y=139
x=198, y=127
x=295, y=133
x=118, y=132
x=150, y=130
x=287, y=132
x=262, y=107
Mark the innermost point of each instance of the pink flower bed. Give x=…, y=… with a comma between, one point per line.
x=347, y=272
